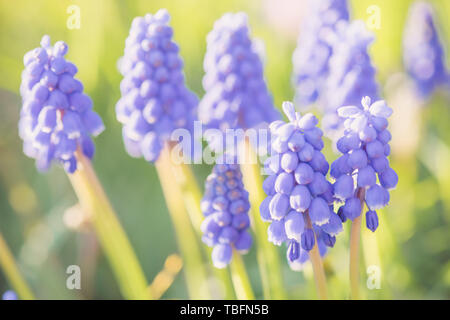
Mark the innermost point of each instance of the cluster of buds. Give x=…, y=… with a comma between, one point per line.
x=365, y=148
x=236, y=92
x=225, y=206
x=56, y=117
x=300, y=199
x=155, y=100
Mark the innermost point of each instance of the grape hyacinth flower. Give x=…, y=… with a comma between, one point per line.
x=311, y=57
x=299, y=201
x=56, y=123
x=236, y=92
x=237, y=97
x=56, y=116
x=10, y=295
x=225, y=206
x=423, y=55
x=155, y=100
x=351, y=74
x=364, y=148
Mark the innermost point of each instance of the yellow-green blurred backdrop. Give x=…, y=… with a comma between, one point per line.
x=412, y=243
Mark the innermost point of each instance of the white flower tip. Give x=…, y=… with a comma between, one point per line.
x=322, y=222
x=365, y=101
x=296, y=266
x=349, y=111
x=359, y=123
x=289, y=110
x=45, y=41
x=380, y=109
x=219, y=265
x=241, y=18
x=162, y=15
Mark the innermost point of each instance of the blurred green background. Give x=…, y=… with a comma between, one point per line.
x=411, y=245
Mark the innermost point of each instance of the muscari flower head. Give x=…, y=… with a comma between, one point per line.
x=9, y=295
x=56, y=116
x=236, y=92
x=311, y=57
x=351, y=74
x=423, y=55
x=364, y=149
x=155, y=100
x=225, y=206
x=299, y=201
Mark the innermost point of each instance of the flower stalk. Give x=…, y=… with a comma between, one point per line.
x=12, y=272
x=317, y=264
x=240, y=278
x=268, y=259
x=355, y=236
x=192, y=198
x=195, y=271
x=191, y=192
x=117, y=248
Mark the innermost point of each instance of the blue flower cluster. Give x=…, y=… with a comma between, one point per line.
x=423, y=55
x=351, y=74
x=311, y=57
x=225, y=206
x=365, y=150
x=300, y=199
x=155, y=99
x=10, y=295
x=56, y=116
x=236, y=92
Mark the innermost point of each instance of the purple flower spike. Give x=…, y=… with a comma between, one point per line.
x=236, y=92
x=351, y=75
x=10, y=295
x=423, y=54
x=225, y=206
x=314, y=49
x=297, y=194
x=155, y=100
x=363, y=161
x=56, y=117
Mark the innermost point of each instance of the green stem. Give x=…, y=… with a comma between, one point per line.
x=195, y=271
x=223, y=276
x=192, y=195
x=317, y=264
x=267, y=255
x=240, y=278
x=110, y=233
x=355, y=236
x=12, y=272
